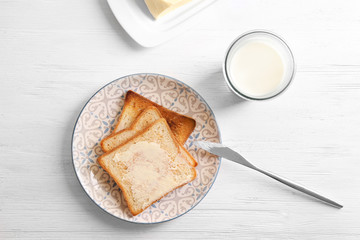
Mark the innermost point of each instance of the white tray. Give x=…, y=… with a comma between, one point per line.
x=135, y=18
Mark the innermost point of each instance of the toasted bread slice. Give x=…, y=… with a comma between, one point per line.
x=181, y=125
x=148, y=167
x=147, y=117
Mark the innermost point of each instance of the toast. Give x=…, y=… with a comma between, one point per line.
x=148, y=166
x=147, y=117
x=181, y=125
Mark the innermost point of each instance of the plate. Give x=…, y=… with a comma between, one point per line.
x=135, y=18
x=98, y=118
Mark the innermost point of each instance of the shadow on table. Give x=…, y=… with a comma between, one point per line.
x=108, y=14
x=82, y=201
x=216, y=92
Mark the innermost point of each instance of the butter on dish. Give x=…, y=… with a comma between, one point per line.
x=159, y=8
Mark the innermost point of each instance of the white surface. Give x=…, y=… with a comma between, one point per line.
x=56, y=54
x=135, y=18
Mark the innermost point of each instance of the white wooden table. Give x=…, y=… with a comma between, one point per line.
x=55, y=54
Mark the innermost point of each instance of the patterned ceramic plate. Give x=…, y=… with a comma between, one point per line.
x=98, y=118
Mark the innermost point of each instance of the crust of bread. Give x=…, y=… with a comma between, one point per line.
x=126, y=196
x=144, y=112
x=102, y=145
x=191, y=159
x=181, y=125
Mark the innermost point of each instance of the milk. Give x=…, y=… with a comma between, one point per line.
x=256, y=69
x=259, y=66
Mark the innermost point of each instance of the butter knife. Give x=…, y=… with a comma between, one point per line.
x=226, y=152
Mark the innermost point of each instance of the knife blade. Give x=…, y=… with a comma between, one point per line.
x=226, y=152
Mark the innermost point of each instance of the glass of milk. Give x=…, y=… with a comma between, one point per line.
x=258, y=65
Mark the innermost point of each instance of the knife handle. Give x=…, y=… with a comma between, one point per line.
x=299, y=187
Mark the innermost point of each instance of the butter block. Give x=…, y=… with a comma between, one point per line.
x=159, y=8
